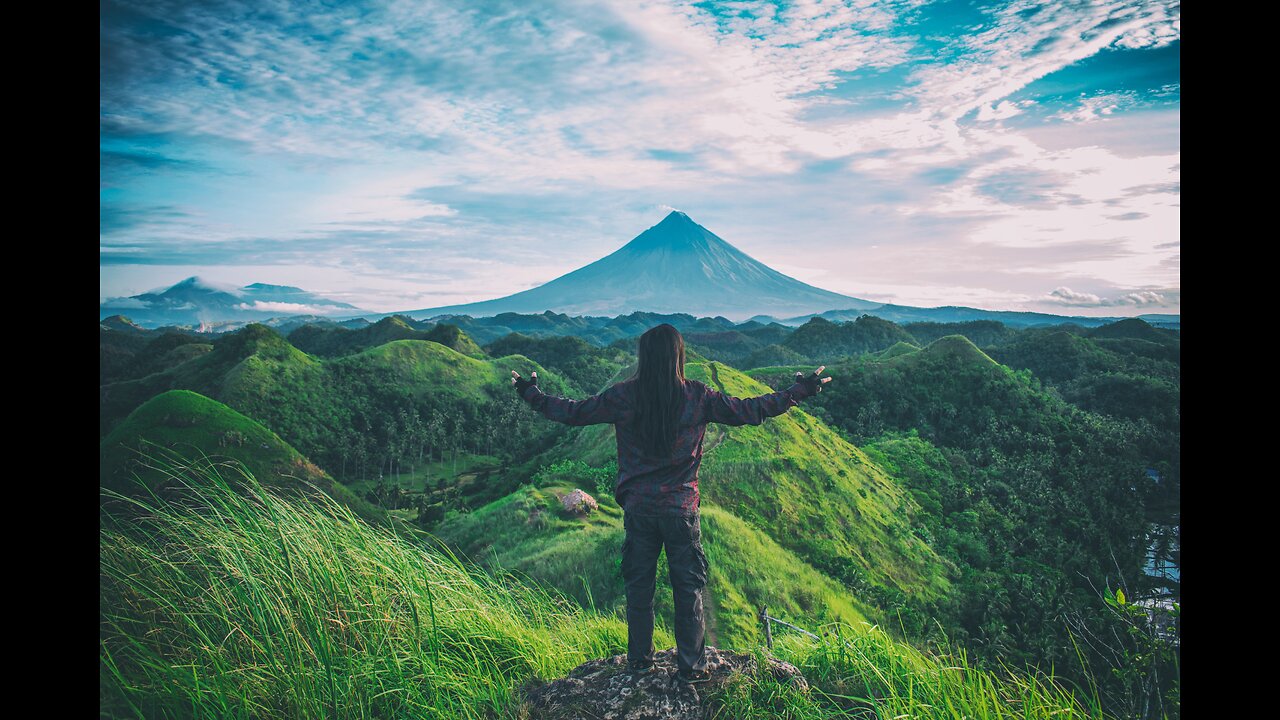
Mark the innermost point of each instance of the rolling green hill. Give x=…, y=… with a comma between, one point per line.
x=1034, y=499
x=387, y=411
x=774, y=354
x=127, y=351
x=1136, y=329
x=896, y=350
x=528, y=533
x=184, y=424
x=804, y=487
x=1056, y=356
x=824, y=342
x=817, y=495
x=331, y=340
x=728, y=346
x=980, y=332
x=120, y=323
x=249, y=358
x=336, y=341
x=587, y=365
x=1132, y=371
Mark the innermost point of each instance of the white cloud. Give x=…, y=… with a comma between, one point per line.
x=1140, y=299
x=1030, y=40
x=126, y=302
x=1067, y=296
x=293, y=308
x=1098, y=107
x=1002, y=110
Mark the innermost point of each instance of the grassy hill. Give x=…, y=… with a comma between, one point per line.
x=184, y=424
x=335, y=341
x=1056, y=356
x=817, y=495
x=120, y=323
x=1136, y=329
x=1126, y=370
x=529, y=533
x=1035, y=500
x=896, y=350
x=803, y=486
x=823, y=341
x=773, y=354
x=127, y=351
x=389, y=411
x=588, y=366
x=256, y=350
x=265, y=607
x=948, y=389
x=980, y=332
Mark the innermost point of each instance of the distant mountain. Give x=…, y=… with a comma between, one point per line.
x=336, y=341
x=821, y=340
x=197, y=302
x=903, y=314
x=1172, y=322
x=676, y=266
x=1136, y=329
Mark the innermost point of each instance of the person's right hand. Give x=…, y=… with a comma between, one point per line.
x=812, y=383
x=521, y=384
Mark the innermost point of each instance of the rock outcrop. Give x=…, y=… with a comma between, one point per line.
x=578, y=503
x=606, y=690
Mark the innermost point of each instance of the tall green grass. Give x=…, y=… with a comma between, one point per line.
x=226, y=604
x=240, y=603
x=862, y=672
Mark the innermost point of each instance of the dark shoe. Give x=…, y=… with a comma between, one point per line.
x=693, y=678
x=636, y=669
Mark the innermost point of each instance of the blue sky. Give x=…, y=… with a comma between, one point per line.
x=403, y=155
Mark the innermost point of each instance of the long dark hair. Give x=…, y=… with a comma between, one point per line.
x=659, y=388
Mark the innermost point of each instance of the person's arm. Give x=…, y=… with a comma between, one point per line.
x=607, y=407
x=729, y=410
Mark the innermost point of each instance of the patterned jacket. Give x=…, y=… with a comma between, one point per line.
x=668, y=485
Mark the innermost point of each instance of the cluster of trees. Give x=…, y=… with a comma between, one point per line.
x=587, y=366
x=386, y=444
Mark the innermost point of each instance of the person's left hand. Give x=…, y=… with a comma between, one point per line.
x=520, y=383
x=812, y=383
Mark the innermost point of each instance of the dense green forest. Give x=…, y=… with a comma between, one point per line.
x=966, y=486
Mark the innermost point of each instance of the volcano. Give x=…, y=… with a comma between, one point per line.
x=676, y=266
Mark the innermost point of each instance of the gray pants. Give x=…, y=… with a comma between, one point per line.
x=687, y=565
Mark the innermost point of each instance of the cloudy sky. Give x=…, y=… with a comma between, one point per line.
x=403, y=155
